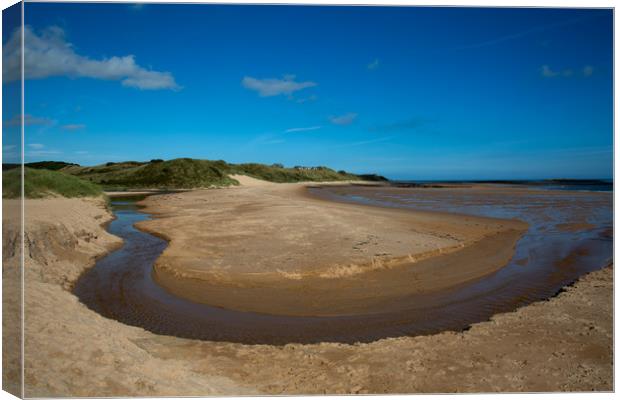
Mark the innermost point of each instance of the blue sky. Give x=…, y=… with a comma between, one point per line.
x=410, y=93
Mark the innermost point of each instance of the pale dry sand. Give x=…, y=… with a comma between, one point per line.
x=561, y=344
x=248, y=181
x=11, y=295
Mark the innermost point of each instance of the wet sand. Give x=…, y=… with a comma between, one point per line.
x=257, y=248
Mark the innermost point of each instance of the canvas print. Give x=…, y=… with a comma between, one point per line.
x=226, y=200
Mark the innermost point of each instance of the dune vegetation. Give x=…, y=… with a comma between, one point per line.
x=185, y=173
x=280, y=174
x=72, y=180
x=182, y=173
x=40, y=183
x=51, y=165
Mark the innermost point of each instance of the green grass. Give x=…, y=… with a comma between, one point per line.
x=187, y=173
x=180, y=173
x=51, y=165
x=39, y=183
x=276, y=173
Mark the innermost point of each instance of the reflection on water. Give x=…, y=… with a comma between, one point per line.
x=549, y=256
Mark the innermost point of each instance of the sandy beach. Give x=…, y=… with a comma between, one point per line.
x=561, y=344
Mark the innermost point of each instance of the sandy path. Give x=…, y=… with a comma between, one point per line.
x=561, y=344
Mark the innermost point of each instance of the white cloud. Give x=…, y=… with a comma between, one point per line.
x=39, y=150
x=16, y=120
x=273, y=86
x=374, y=65
x=49, y=54
x=311, y=128
x=345, y=119
x=73, y=127
x=588, y=70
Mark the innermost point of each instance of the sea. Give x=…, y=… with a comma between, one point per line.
x=589, y=185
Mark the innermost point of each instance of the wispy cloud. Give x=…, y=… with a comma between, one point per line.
x=310, y=128
x=29, y=120
x=374, y=65
x=40, y=150
x=263, y=139
x=588, y=70
x=274, y=87
x=73, y=127
x=520, y=34
x=49, y=54
x=345, y=119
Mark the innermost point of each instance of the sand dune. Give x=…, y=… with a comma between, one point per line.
x=248, y=181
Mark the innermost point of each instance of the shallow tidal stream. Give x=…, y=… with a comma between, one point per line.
x=569, y=235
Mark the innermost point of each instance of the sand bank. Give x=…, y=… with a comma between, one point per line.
x=561, y=344
x=255, y=248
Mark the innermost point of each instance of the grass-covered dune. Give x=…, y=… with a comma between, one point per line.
x=40, y=183
x=182, y=173
x=51, y=165
x=280, y=174
x=192, y=173
x=58, y=178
